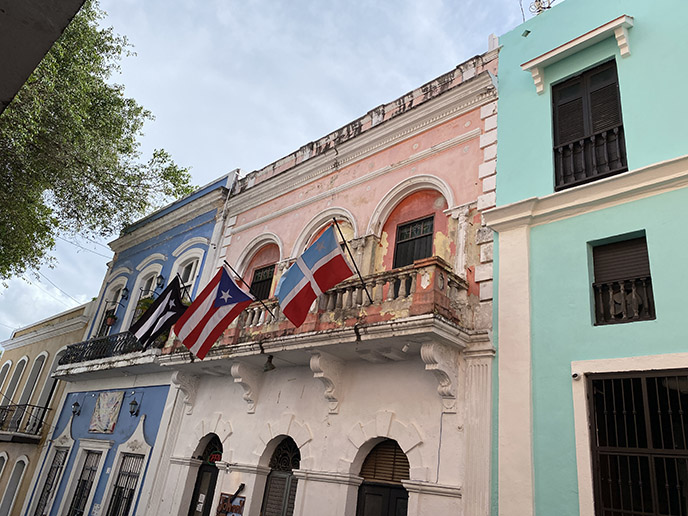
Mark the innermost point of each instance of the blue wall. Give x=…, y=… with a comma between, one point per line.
x=151, y=404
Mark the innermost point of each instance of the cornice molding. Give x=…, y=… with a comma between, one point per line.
x=414, y=486
x=49, y=332
x=655, y=179
x=172, y=220
x=455, y=102
x=618, y=27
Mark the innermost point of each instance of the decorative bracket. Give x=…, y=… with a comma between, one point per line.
x=443, y=362
x=188, y=384
x=328, y=369
x=249, y=379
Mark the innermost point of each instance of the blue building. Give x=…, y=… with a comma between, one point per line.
x=101, y=456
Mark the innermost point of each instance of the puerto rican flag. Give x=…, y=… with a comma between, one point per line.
x=318, y=269
x=211, y=313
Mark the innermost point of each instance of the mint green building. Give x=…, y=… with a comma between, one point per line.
x=592, y=224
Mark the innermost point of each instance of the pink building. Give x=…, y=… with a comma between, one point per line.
x=372, y=407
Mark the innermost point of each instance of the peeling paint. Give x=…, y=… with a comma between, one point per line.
x=382, y=252
x=443, y=246
x=424, y=279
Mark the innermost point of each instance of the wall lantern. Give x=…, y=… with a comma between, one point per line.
x=134, y=408
x=76, y=408
x=160, y=280
x=125, y=293
x=269, y=366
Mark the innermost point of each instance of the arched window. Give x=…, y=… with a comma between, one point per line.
x=3, y=461
x=3, y=372
x=204, y=490
x=188, y=267
x=381, y=493
x=109, y=316
x=43, y=403
x=8, y=498
x=261, y=270
x=280, y=488
x=24, y=412
x=14, y=381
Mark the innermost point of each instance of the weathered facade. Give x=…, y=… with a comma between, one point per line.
x=31, y=397
x=590, y=211
x=102, y=453
x=297, y=413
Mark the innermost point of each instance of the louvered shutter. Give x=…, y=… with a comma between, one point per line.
x=569, y=112
x=621, y=260
x=605, y=108
x=386, y=463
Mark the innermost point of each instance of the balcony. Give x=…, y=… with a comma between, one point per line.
x=22, y=423
x=595, y=157
x=624, y=301
x=98, y=357
x=410, y=305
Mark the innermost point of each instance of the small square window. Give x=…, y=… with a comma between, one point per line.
x=622, y=285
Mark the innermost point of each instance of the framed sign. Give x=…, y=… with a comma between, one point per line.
x=230, y=505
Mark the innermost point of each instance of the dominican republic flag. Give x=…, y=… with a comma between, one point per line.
x=160, y=316
x=211, y=312
x=318, y=269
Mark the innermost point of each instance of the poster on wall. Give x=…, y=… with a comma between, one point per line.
x=105, y=414
x=231, y=505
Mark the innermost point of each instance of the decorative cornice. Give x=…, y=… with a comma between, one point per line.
x=328, y=370
x=150, y=259
x=212, y=201
x=414, y=486
x=185, y=461
x=617, y=27
x=463, y=98
x=249, y=378
x=328, y=477
x=637, y=184
x=48, y=332
x=253, y=469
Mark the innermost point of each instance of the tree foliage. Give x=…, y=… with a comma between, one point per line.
x=70, y=159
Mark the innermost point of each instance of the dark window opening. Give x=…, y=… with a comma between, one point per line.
x=414, y=241
x=382, y=493
x=622, y=286
x=639, y=443
x=54, y=474
x=262, y=281
x=84, y=484
x=589, y=140
x=125, y=485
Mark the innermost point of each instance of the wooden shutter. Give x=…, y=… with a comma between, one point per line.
x=605, y=107
x=621, y=260
x=569, y=111
x=386, y=463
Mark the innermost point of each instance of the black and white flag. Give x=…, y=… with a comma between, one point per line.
x=160, y=316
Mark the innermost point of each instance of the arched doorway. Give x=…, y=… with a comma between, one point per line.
x=381, y=493
x=280, y=488
x=202, y=498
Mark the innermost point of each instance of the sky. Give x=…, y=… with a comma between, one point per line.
x=242, y=83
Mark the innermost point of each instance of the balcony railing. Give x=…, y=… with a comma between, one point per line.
x=601, y=155
x=22, y=419
x=624, y=301
x=101, y=347
x=425, y=287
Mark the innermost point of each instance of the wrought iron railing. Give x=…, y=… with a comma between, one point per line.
x=624, y=301
x=22, y=419
x=601, y=155
x=101, y=347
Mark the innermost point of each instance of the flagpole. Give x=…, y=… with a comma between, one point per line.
x=249, y=289
x=352, y=259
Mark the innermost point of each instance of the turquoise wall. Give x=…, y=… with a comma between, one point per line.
x=652, y=83
x=654, y=111
x=563, y=331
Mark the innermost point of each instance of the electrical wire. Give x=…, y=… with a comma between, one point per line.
x=44, y=290
x=82, y=247
x=58, y=288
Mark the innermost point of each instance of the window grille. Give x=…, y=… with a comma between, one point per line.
x=639, y=443
x=589, y=139
x=84, y=484
x=262, y=281
x=622, y=286
x=125, y=485
x=414, y=241
x=51, y=480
